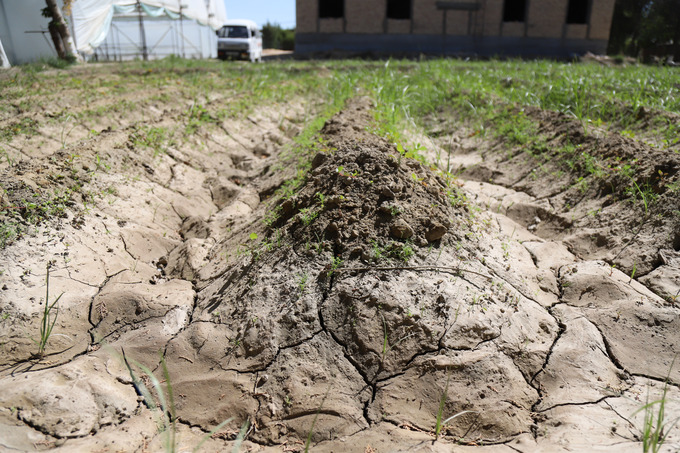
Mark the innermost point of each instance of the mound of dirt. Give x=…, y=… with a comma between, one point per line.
x=361, y=200
x=379, y=296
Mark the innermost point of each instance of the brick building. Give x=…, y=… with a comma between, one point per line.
x=554, y=28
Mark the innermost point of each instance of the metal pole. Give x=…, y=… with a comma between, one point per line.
x=181, y=25
x=174, y=38
x=145, y=53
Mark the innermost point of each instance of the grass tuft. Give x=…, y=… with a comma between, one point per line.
x=163, y=404
x=656, y=427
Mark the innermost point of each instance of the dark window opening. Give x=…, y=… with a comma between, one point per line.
x=231, y=31
x=398, y=9
x=331, y=8
x=577, y=13
x=514, y=10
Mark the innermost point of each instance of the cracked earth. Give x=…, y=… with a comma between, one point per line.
x=349, y=312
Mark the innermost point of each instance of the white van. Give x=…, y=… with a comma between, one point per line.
x=239, y=39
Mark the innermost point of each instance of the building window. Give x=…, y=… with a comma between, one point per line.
x=331, y=8
x=514, y=10
x=398, y=9
x=577, y=13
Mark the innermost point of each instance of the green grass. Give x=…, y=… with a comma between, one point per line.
x=646, y=194
x=307, y=143
x=491, y=98
x=9, y=232
x=439, y=424
x=400, y=251
x=404, y=90
x=514, y=127
x=593, y=94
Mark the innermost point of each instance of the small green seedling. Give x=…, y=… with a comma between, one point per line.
x=442, y=402
x=302, y=284
x=632, y=274
x=440, y=413
x=49, y=316
x=334, y=266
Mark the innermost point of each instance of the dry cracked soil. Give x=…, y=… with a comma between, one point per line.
x=378, y=295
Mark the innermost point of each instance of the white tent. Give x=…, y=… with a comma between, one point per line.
x=124, y=29
x=114, y=25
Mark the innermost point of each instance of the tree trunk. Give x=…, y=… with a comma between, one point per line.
x=66, y=40
x=56, y=39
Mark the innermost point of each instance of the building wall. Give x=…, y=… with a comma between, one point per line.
x=458, y=23
x=398, y=26
x=545, y=19
x=601, y=19
x=331, y=25
x=513, y=29
x=578, y=31
x=492, y=17
x=306, y=14
x=427, y=20
x=365, y=16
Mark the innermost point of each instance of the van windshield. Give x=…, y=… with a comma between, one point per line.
x=235, y=31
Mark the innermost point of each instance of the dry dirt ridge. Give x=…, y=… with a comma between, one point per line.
x=361, y=300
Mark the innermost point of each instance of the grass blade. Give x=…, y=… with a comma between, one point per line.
x=316, y=416
x=241, y=437
x=442, y=403
x=458, y=415
x=210, y=434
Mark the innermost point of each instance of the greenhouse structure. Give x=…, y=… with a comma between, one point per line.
x=114, y=29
